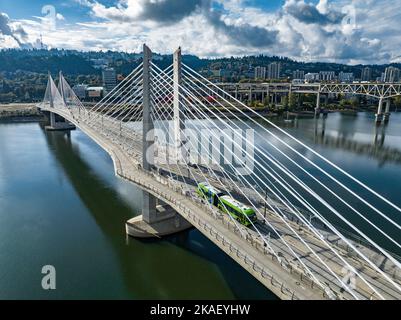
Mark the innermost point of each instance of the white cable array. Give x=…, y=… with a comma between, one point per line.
x=240, y=119
x=118, y=102
x=198, y=76
x=363, y=256
x=206, y=117
x=111, y=94
x=353, y=227
x=343, y=284
x=383, y=233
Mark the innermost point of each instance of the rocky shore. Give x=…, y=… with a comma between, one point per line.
x=20, y=112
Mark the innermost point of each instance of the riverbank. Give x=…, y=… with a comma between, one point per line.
x=20, y=112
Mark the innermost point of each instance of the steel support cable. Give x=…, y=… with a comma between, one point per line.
x=367, y=238
x=235, y=223
x=308, y=148
x=121, y=97
x=116, y=88
x=314, y=178
x=117, y=95
x=311, y=273
x=255, y=190
x=132, y=111
x=209, y=204
x=68, y=92
x=317, y=281
x=119, y=106
x=367, y=259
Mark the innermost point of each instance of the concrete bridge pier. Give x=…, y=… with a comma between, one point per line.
x=156, y=220
x=386, y=116
x=317, y=109
x=379, y=114
x=52, y=119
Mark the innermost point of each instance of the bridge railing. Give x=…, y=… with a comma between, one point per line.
x=249, y=261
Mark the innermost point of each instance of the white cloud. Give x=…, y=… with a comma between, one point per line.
x=348, y=31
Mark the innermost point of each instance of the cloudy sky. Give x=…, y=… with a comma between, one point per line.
x=346, y=31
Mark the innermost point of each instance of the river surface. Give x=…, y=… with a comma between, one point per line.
x=61, y=205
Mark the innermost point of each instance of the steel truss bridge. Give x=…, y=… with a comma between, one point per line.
x=320, y=233
x=384, y=92
x=377, y=90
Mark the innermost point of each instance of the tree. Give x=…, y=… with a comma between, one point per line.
x=285, y=102
x=343, y=103
x=354, y=103
x=397, y=101
x=292, y=101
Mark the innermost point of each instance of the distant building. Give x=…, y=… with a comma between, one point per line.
x=327, y=75
x=297, y=81
x=80, y=90
x=346, y=76
x=366, y=74
x=109, y=79
x=391, y=75
x=273, y=70
x=311, y=77
x=260, y=73
x=298, y=74
x=94, y=92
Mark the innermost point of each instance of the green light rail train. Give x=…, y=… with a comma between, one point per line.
x=237, y=210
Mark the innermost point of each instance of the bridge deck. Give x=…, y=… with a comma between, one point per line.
x=244, y=245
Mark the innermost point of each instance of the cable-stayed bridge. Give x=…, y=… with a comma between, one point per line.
x=301, y=225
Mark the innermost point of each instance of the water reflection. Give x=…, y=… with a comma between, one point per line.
x=187, y=265
x=345, y=138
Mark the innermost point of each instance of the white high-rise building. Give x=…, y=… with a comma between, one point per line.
x=346, y=76
x=273, y=70
x=327, y=75
x=311, y=77
x=260, y=73
x=366, y=74
x=391, y=75
x=298, y=74
x=109, y=79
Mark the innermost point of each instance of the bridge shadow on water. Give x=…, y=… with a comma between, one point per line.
x=182, y=266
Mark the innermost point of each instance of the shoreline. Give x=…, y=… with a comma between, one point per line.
x=28, y=112
x=20, y=112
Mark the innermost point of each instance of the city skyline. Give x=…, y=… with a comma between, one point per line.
x=329, y=31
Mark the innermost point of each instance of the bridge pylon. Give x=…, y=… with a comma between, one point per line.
x=157, y=220
x=149, y=201
x=179, y=125
x=53, y=96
